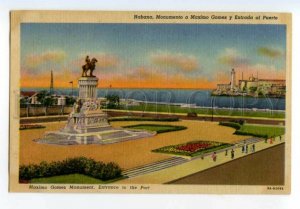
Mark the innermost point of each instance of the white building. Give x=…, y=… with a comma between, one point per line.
x=232, y=81
x=61, y=100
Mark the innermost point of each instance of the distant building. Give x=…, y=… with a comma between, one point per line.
x=225, y=87
x=61, y=100
x=30, y=97
x=265, y=86
x=252, y=87
x=232, y=82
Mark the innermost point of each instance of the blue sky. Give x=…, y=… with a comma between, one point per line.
x=204, y=51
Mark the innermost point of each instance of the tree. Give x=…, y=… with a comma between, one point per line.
x=23, y=102
x=113, y=101
x=41, y=96
x=70, y=100
x=48, y=101
x=253, y=89
x=45, y=98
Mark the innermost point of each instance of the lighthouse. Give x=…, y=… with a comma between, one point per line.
x=232, y=83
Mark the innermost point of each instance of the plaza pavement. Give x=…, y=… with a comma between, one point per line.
x=174, y=168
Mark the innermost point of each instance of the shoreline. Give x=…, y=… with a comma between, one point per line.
x=182, y=116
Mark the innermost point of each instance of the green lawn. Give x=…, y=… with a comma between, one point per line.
x=70, y=179
x=269, y=131
x=128, y=118
x=156, y=127
x=202, y=111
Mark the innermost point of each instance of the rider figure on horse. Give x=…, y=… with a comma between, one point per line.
x=87, y=60
x=90, y=65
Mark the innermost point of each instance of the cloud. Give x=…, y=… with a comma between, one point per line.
x=143, y=73
x=36, y=60
x=232, y=58
x=105, y=60
x=264, y=72
x=269, y=52
x=151, y=77
x=179, y=61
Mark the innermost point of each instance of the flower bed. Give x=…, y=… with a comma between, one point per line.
x=192, y=148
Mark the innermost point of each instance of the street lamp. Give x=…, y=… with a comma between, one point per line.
x=71, y=82
x=212, y=108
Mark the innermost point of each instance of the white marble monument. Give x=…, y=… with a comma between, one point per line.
x=88, y=87
x=88, y=124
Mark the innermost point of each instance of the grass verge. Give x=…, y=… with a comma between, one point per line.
x=202, y=111
x=159, y=128
x=255, y=130
x=72, y=179
x=168, y=119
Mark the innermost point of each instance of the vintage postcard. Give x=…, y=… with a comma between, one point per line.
x=150, y=102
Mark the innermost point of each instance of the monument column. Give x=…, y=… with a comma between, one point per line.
x=88, y=87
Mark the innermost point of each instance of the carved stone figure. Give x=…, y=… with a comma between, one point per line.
x=77, y=106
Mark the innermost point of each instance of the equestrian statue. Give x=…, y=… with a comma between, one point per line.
x=89, y=66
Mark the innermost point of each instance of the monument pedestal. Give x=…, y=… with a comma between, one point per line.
x=88, y=124
x=87, y=87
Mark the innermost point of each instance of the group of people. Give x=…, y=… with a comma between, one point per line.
x=232, y=152
x=214, y=155
x=245, y=148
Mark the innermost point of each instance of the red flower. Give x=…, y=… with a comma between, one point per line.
x=194, y=147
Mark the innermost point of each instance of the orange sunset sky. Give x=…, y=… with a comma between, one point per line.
x=151, y=56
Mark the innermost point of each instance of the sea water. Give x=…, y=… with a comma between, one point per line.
x=194, y=97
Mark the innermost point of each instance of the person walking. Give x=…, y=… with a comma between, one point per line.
x=246, y=149
x=243, y=147
x=253, y=147
x=226, y=152
x=214, y=157
x=232, y=154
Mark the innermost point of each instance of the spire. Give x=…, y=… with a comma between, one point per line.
x=51, y=83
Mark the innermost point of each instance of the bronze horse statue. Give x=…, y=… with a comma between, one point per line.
x=90, y=65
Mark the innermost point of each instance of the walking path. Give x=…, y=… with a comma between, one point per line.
x=149, y=168
x=178, y=167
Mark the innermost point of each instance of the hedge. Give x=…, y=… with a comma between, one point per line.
x=239, y=121
x=30, y=126
x=170, y=128
x=169, y=119
x=80, y=165
x=238, y=132
x=237, y=126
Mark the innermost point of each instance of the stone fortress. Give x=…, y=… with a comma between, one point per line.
x=87, y=123
x=254, y=86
